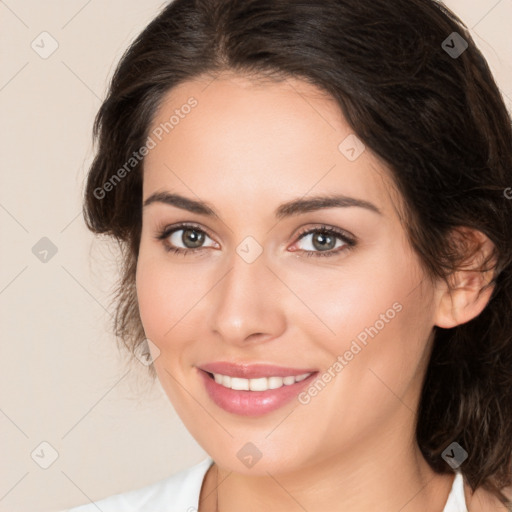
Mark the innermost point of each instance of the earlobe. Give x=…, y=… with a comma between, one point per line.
x=470, y=287
x=462, y=304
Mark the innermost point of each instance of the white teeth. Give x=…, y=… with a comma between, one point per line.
x=259, y=384
x=275, y=382
x=239, y=384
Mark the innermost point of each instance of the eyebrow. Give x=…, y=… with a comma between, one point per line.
x=288, y=209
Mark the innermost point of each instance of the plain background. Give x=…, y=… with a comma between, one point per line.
x=62, y=379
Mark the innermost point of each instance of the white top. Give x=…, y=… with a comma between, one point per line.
x=180, y=493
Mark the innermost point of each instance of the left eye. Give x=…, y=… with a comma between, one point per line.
x=323, y=241
x=320, y=240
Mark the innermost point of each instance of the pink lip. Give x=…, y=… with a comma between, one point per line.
x=253, y=371
x=253, y=403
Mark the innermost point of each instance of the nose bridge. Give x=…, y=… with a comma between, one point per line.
x=245, y=300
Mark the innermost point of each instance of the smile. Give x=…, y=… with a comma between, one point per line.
x=252, y=390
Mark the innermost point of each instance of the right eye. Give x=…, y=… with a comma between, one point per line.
x=191, y=235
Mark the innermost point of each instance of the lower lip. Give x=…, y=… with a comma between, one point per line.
x=252, y=403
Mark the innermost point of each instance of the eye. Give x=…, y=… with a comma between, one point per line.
x=323, y=241
x=192, y=237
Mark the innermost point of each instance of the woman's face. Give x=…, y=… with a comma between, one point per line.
x=276, y=290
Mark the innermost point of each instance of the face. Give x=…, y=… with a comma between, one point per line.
x=263, y=291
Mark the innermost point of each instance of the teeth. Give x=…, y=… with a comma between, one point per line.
x=275, y=382
x=259, y=384
x=239, y=384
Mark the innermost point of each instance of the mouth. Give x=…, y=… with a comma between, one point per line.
x=253, y=390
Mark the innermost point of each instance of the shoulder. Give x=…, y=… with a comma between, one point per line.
x=177, y=493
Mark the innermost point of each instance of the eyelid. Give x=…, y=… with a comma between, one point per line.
x=330, y=229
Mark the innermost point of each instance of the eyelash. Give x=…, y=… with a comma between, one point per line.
x=349, y=241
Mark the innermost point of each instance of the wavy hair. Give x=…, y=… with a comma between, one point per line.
x=436, y=117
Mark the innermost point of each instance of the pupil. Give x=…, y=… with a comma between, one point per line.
x=323, y=237
x=197, y=238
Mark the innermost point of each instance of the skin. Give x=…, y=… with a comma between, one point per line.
x=246, y=148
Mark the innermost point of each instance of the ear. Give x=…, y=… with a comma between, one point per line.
x=470, y=286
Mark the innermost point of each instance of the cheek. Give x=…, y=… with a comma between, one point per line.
x=169, y=298
x=159, y=287
x=369, y=381
x=158, y=296
x=380, y=318
x=352, y=301
x=384, y=353
x=151, y=304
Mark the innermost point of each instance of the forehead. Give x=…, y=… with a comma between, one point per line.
x=248, y=142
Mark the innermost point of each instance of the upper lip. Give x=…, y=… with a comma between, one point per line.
x=252, y=371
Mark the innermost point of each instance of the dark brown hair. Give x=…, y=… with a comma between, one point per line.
x=436, y=118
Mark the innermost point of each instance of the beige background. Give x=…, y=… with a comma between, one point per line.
x=62, y=379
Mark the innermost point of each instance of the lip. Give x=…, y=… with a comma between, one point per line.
x=252, y=403
x=253, y=371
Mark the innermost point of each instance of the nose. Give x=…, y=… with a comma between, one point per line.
x=247, y=305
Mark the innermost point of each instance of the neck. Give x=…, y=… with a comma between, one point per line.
x=380, y=473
